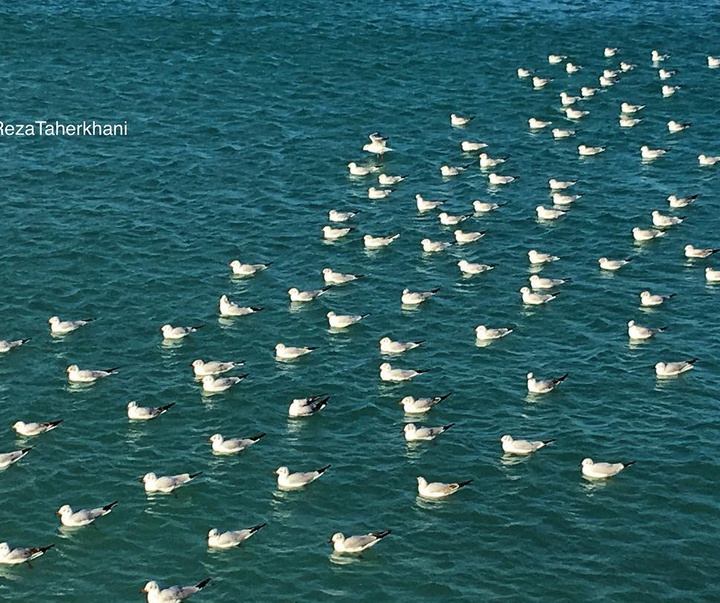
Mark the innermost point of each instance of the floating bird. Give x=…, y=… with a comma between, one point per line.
x=377, y=144
x=637, y=332
x=672, y=369
x=338, y=278
x=473, y=268
x=587, y=151
x=676, y=202
x=395, y=375
x=459, y=121
x=572, y=68
x=361, y=170
x=468, y=146
x=610, y=52
x=537, y=257
x=331, y=234
x=343, y=321
x=167, y=483
x=555, y=59
x=649, y=154
x=463, y=238
x=708, y=159
x=448, y=220
x=663, y=221
x=524, y=72
x=483, y=207
x=484, y=333
x=606, y=82
x=240, y=269
x=713, y=62
x=448, y=171
x=544, y=213
x=646, y=234
x=6, y=345
x=610, y=73
x=566, y=99
x=221, y=445
x=698, y=253
x=416, y=406
x=668, y=90
x=63, y=327
x=172, y=594
x=497, y=179
x=538, y=124
x=283, y=352
x=629, y=109
x=543, y=386
x=9, y=458
x=76, y=375
x=305, y=296
x=295, y=481
x=571, y=113
x=587, y=91
x=378, y=193
x=387, y=180
x=341, y=216
x=426, y=204
x=175, y=333
x=216, y=385
x=607, y=264
x=560, y=133
x=522, y=447
x=30, y=430
x=712, y=275
x=145, y=413
x=487, y=162
x=20, y=555
x=434, y=246
x=230, y=309
x=602, y=470
x=388, y=346
x=540, y=82
x=82, y=517
x=213, y=367
x=625, y=67
x=536, y=299
x=539, y=282
x=356, y=544
x=438, y=490
x=231, y=539
x=561, y=199
x=416, y=434
x=372, y=242
x=656, y=56
x=666, y=74
x=648, y=299
x=559, y=185
x=413, y=298
x=675, y=126
x=305, y=407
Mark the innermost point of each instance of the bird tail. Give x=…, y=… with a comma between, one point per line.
x=419, y=341
x=166, y=407
x=54, y=424
x=381, y=534
x=671, y=295
x=448, y=426
x=109, y=507
x=435, y=290
x=22, y=341
x=465, y=483
x=312, y=347
x=692, y=360
x=196, y=327
x=194, y=475
x=88, y=319
x=25, y=451
x=321, y=404
x=42, y=549
x=546, y=442
x=562, y=377
x=258, y=437
x=422, y=370
x=203, y=583
x=115, y=369
x=323, y=469
x=257, y=308
x=628, y=463
x=443, y=397
x=260, y=526
x=243, y=376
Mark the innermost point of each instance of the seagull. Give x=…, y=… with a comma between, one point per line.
x=587, y=91
x=483, y=207
x=663, y=221
x=215, y=385
x=697, y=253
x=607, y=264
x=341, y=216
x=524, y=72
x=559, y=185
x=610, y=52
x=629, y=109
x=82, y=517
x=8, y=458
x=713, y=62
x=413, y=298
x=472, y=269
x=538, y=124
x=712, y=275
x=625, y=67
x=416, y=406
x=666, y=74
x=63, y=327
x=462, y=238
x=372, y=242
x=6, y=345
x=387, y=180
x=330, y=233
x=484, y=333
x=416, y=434
x=229, y=309
x=438, y=490
x=167, y=483
x=305, y=296
x=672, y=369
x=675, y=126
x=434, y=246
x=649, y=154
x=602, y=470
x=448, y=171
x=458, y=121
x=544, y=213
x=240, y=269
x=586, y=151
x=304, y=407
x=338, y=278
x=395, y=375
x=378, y=193
x=175, y=333
x=221, y=445
x=555, y=59
x=467, y=146
x=540, y=82
x=388, y=346
x=610, y=73
x=145, y=413
x=522, y=447
x=657, y=56
x=606, y=82
x=572, y=68
x=708, y=159
x=361, y=170
x=668, y=90
x=229, y=540
x=284, y=352
x=560, y=133
x=648, y=299
x=543, y=386
x=356, y=544
x=646, y=234
x=172, y=594
x=535, y=299
x=560, y=199
x=19, y=555
x=426, y=204
x=571, y=113
x=539, y=282
x=342, y=321
x=566, y=99
x=497, y=179
x=637, y=332
x=76, y=375
x=213, y=367
x=676, y=202
x=377, y=147
x=30, y=430
x=294, y=481
x=487, y=162
x=537, y=257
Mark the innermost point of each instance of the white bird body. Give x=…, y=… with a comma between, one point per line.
x=343, y=321
x=240, y=269
x=413, y=298
x=671, y=369
x=656, y=56
x=63, y=327
x=232, y=538
x=712, y=275
x=175, y=333
x=647, y=299
x=77, y=375
x=305, y=407
x=536, y=299
x=361, y=170
x=9, y=458
x=341, y=216
x=483, y=207
x=566, y=99
x=562, y=199
x=356, y=544
x=296, y=295
x=537, y=257
x=449, y=220
x=82, y=517
x=521, y=447
x=625, y=67
x=587, y=91
x=609, y=52
x=678, y=202
x=283, y=352
x=338, y=278
x=668, y=90
x=213, y=367
x=666, y=74
x=571, y=113
x=146, y=413
x=20, y=555
x=464, y=237
x=708, y=159
x=438, y=490
x=7, y=345
x=587, y=151
x=230, y=309
x=629, y=109
x=499, y=180
x=171, y=594
x=470, y=268
x=713, y=62
x=388, y=180
x=30, y=430
x=424, y=205
x=544, y=213
x=487, y=162
x=562, y=133
x=331, y=234
x=416, y=406
x=377, y=147
x=396, y=375
x=543, y=386
x=467, y=146
x=602, y=470
x=560, y=185
x=629, y=122
x=221, y=445
x=388, y=346
x=540, y=82
x=556, y=59
x=522, y=73
x=434, y=246
x=538, y=124
x=295, y=481
x=166, y=483
x=646, y=234
x=372, y=242
x=674, y=126
x=212, y=384
x=459, y=121
x=424, y=434
x=484, y=333
x=606, y=82
x=448, y=171
x=607, y=264
x=540, y=282
x=638, y=332
x=649, y=154
x=663, y=221
x=378, y=193
x=572, y=68
x=698, y=253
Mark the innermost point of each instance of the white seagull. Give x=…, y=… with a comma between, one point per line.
x=459, y=121
x=30, y=430
x=63, y=327
x=610, y=52
x=284, y=352
x=675, y=126
x=296, y=295
x=305, y=407
x=448, y=171
x=417, y=434
x=587, y=91
x=662, y=221
x=562, y=199
x=471, y=269
x=646, y=234
x=538, y=124
x=388, y=346
x=468, y=146
x=629, y=122
x=586, y=151
x=629, y=108
x=449, y=220
x=607, y=264
x=215, y=385
x=499, y=180
x=647, y=299
x=438, y=490
x=396, y=375
x=230, y=309
x=560, y=185
x=672, y=369
x=171, y=594
x=712, y=275
x=563, y=133
x=566, y=99
x=82, y=517
x=708, y=159
x=638, y=332
x=230, y=539
x=361, y=170
x=656, y=56
x=666, y=74
x=649, y=154
x=240, y=269
x=294, y=481
x=19, y=555
x=572, y=67
x=372, y=242
x=434, y=246
x=535, y=299
x=571, y=113
x=602, y=470
x=388, y=180
x=343, y=321
x=331, y=234
x=678, y=202
x=7, y=345
x=543, y=386
x=213, y=367
x=378, y=193
x=221, y=445
x=537, y=257
x=668, y=90
x=424, y=205
x=540, y=282
x=175, y=333
x=417, y=406
x=522, y=73
x=713, y=62
x=166, y=483
x=555, y=59
x=483, y=207
x=414, y=298
x=338, y=278
x=487, y=162
x=77, y=375
x=544, y=213
x=483, y=333
x=463, y=237
x=540, y=82
x=698, y=253
x=341, y=216
x=8, y=458
x=522, y=447
x=356, y=544
x=145, y=413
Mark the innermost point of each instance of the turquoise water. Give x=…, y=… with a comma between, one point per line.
x=240, y=123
